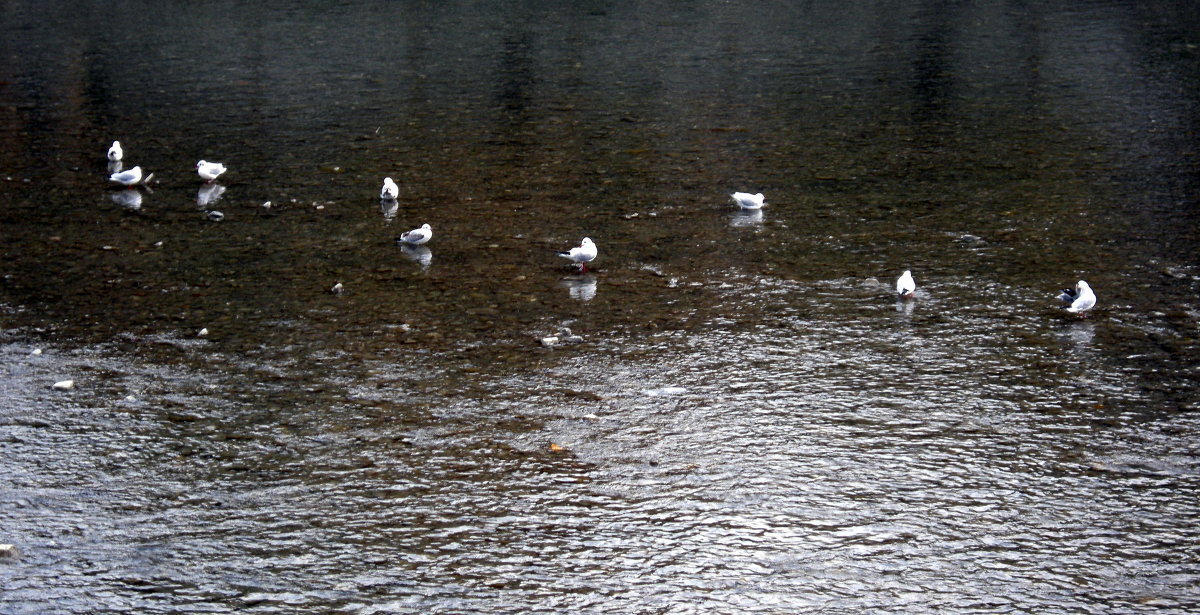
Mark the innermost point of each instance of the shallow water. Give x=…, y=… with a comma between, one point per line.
x=752, y=424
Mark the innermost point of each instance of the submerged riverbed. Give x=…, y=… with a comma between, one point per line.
x=752, y=423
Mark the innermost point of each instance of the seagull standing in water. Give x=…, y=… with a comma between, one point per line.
x=745, y=200
x=390, y=191
x=115, y=153
x=129, y=178
x=584, y=254
x=209, y=170
x=417, y=236
x=905, y=286
x=1081, y=298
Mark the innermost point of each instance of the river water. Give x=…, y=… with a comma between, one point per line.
x=752, y=423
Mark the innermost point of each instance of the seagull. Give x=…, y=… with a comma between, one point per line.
x=745, y=200
x=390, y=191
x=129, y=178
x=209, y=170
x=584, y=254
x=115, y=153
x=1081, y=298
x=905, y=286
x=417, y=236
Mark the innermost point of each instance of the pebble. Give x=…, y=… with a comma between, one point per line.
x=202, y=332
x=216, y=216
x=36, y=352
x=64, y=385
x=337, y=289
x=9, y=552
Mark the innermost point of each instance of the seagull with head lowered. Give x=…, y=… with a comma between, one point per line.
x=129, y=178
x=1081, y=298
x=209, y=170
x=745, y=200
x=115, y=153
x=390, y=191
x=906, y=288
x=417, y=236
x=584, y=254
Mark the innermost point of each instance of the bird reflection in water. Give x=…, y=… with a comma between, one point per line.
x=389, y=207
x=581, y=288
x=746, y=218
x=129, y=199
x=1078, y=336
x=209, y=194
x=421, y=255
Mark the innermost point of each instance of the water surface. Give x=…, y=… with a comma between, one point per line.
x=753, y=424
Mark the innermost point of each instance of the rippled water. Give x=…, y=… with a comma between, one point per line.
x=752, y=424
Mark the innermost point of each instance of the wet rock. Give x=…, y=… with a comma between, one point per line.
x=203, y=332
x=36, y=352
x=64, y=385
x=337, y=289
x=9, y=552
x=216, y=216
x=564, y=336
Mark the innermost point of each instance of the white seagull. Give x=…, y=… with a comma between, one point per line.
x=1081, y=298
x=115, y=153
x=417, y=236
x=745, y=200
x=905, y=286
x=129, y=178
x=390, y=191
x=584, y=254
x=209, y=170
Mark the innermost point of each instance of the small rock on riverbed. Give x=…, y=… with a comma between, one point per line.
x=64, y=385
x=564, y=336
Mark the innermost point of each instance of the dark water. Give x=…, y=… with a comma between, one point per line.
x=752, y=424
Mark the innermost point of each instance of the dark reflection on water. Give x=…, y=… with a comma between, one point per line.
x=752, y=423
